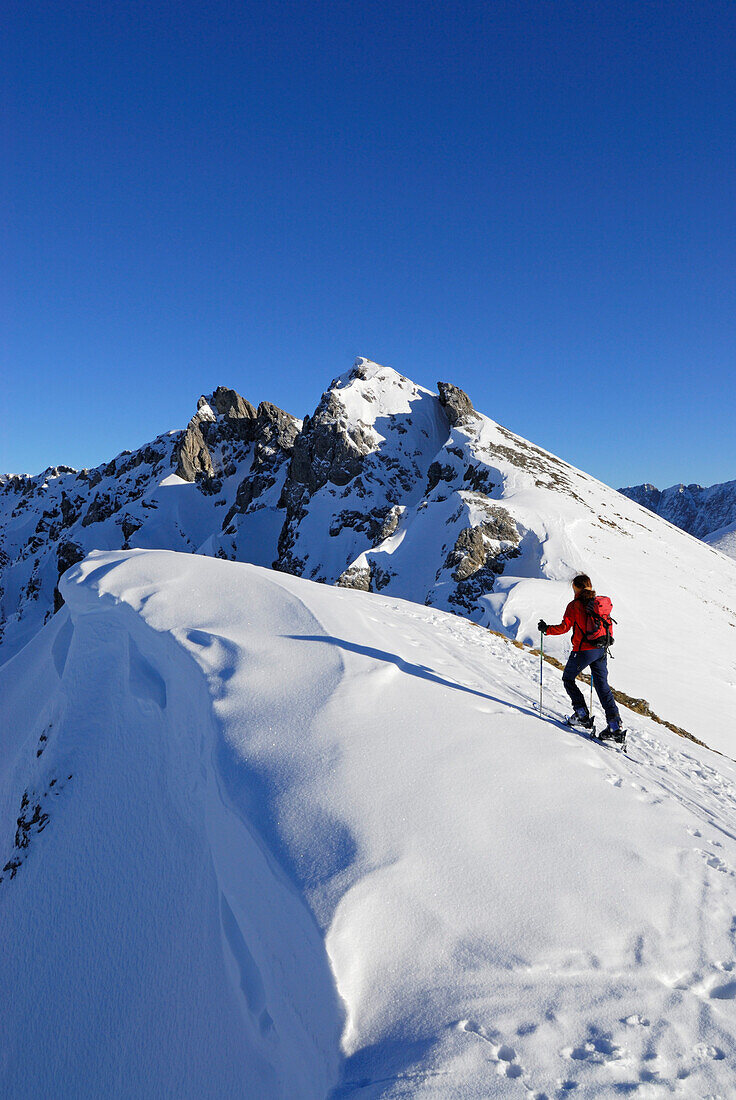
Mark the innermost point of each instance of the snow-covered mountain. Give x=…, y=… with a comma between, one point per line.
x=172, y=493
x=708, y=513
x=265, y=838
x=391, y=488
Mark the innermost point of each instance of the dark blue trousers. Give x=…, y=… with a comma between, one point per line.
x=597, y=661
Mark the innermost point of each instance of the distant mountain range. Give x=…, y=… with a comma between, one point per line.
x=707, y=513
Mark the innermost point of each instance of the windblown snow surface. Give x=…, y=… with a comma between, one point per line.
x=268, y=838
x=724, y=540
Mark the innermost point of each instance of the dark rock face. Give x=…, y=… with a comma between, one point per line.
x=328, y=449
x=480, y=555
x=390, y=523
x=236, y=421
x=438, y=472
x=698, y=510
x=480, y=479
x=102, y=507
x=468, y=554
x=275, y=428
x=647, y=495
x=92, y=477
x=69, y=511
x=376, y=525
x=192, y=454
x=273, y=433
x=456, y=404
x=67, y=555
x=230, y=405
x=129, y=526
x=472, y=552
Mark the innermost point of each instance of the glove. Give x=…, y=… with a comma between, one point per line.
x=542, y=626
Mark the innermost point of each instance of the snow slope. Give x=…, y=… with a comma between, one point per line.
x=281, y=839
x=724, y=539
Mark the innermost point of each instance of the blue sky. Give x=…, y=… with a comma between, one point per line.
x=533, y=200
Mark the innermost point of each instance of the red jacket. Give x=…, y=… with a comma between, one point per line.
x=574, y=619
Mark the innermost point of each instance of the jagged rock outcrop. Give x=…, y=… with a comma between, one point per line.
x=330, y=449
x=233, y=408
x=103, y=506
x=480, y=555
x=228, y=434
x=457, y=405
x=192, y=453
x=479, y=547
x=224, y=416
x=129, y=526
x=273, y=433
x=438, y=472
x=357, y=576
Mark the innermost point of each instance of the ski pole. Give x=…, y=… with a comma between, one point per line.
x=541, y=669
x=590, y=708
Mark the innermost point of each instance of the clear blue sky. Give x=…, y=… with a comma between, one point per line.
x=533, y=200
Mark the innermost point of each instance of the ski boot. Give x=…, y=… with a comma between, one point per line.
x=580, y=722
x=618, y=735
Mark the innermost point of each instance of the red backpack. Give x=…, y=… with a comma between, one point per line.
x=598, y=622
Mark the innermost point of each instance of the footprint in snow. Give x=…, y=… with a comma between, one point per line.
x=714, y=861
x=704, y=1052
x=725, y=992
x=503, y=1054
x=636, y=1020
x=597, y=1049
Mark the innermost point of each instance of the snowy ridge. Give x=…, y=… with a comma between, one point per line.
x=313, y=841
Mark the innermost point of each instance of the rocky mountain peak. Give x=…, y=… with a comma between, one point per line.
x=231, y=405
x=221, y=415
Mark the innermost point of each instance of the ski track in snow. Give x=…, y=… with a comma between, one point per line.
x=505, y=908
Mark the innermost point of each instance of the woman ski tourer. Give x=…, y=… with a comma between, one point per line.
x=589, y=618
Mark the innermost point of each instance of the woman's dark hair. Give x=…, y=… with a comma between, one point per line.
x=582, y=581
